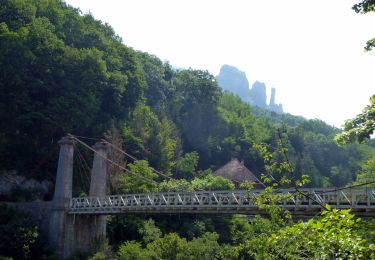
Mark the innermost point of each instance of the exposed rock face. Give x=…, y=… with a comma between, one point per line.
x=272, y=99
x=278, y=108
x=258, y=95
x=10, y=180
x=232, y=79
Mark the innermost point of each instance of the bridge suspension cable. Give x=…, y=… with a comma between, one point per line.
x=109, y=160
x=76, y=137
x=84, y=168
x=135, y=159
x=123, y=152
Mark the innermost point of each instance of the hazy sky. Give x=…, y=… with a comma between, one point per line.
x=310, y=51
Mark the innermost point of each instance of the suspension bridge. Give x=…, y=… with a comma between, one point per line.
x=361, y=201
x=76, y=222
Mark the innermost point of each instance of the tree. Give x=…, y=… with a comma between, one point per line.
x=186, y=165
x=211, y=182
x=139, y=179
x=367, y=172
x=363, y=7
x=333, y=236
x=20, y=236
x=113, y=136
x=132, y=250
x=151, y=138
x=60, y=72
x=149, y=231
x=361, y=127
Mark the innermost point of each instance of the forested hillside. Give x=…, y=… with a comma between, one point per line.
x=62, y=71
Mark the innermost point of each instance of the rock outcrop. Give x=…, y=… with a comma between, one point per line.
x=10, y=182
x=232, y=79
x=258, y=95
x=278, y=108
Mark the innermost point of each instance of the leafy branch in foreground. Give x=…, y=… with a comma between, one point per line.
x=279, y=173
x=364, y=7
x=334, y=235
x=361, y=127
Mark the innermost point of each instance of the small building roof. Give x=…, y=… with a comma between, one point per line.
x=237, y=172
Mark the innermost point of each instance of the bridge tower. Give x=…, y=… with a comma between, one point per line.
x=68, y=233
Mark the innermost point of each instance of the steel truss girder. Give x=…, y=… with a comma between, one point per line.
x=218, y=201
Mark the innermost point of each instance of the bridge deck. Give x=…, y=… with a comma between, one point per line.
x=361, y=201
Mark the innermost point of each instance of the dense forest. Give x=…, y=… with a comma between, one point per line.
x=66, y=72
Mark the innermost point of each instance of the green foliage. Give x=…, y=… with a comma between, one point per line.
x=204, y=247
x=240, y=229
x=20, y=236
x=98, y=256
x=152, y=138
x=132, y=250
x=61, y=72
x=149, y=231
x=104, y=251
x=123, y=227
x=172, y=246
x=186, y=165
x=17, y=13
x=208, y=182
x=363, y=7
x=367, y=173
x=139, y=179
x=180, y=185
x=158, y=76
x=193, y=108
x=240, y=119
x=334, y=236
x=211, y=182
x=361, y=127
x=67, y=72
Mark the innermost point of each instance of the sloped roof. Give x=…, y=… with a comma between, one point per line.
x=236, y=171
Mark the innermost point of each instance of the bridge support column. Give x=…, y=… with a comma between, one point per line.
x=90, y=230
x=98, y=188
x=69, y=234
x=60, y=227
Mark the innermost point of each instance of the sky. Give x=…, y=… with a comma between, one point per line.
x=312, y=52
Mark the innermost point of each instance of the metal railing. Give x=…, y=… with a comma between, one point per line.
x=229, y=201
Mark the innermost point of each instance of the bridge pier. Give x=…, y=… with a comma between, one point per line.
x=96, y=225
x=60, y=226
x=68, y=233
x=98, y=187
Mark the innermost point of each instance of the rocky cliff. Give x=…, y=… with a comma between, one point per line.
x=232, y=79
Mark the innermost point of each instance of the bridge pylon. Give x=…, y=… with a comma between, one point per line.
x=68, y=233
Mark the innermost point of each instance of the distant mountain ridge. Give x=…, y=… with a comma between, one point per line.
x=232, y=79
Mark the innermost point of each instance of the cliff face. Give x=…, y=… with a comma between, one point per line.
x=232, y=79
x=278, y=108
x=258, y=95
